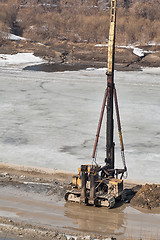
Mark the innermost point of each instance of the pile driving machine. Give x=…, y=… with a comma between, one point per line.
x=103, y=185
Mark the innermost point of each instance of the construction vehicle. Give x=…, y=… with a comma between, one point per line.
x=103, y=185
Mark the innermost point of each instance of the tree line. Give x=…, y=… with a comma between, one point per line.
x=80, y=20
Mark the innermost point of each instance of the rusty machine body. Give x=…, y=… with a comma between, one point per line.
x=103, y=185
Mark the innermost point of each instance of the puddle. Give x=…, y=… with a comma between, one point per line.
x=123, y=222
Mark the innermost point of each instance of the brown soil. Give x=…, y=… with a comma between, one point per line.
x=74, y=56
x=151, y=58
x=147, y=197
x=9, y=172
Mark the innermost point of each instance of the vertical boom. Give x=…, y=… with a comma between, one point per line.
x=110, y=87
x=109, y=96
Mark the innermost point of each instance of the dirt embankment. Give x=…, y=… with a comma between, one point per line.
x=63, y=55
x=147, y=197
x=31, y=173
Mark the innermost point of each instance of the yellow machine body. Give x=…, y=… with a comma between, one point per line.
x=97, y=190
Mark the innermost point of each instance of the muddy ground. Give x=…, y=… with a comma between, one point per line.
x=63, y=55
x=25, y=188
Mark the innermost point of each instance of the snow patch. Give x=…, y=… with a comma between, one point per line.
x=101, y=45
x=126, y=46
x=136, y=50
x=36, y=183
x=152, y=43
x=19, y=58
x=15, y=37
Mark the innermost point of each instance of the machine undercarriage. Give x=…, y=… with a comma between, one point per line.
x=92, y=186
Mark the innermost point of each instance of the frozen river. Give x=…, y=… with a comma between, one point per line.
x=50, y=119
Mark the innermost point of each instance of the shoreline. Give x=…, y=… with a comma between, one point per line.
x=69, y=56
x=33, y=199
x=50, y=172
x=34, y=172
x=62, y=67
x=33, y=169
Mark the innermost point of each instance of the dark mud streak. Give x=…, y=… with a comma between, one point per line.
x=59, y=67
x=136, y=62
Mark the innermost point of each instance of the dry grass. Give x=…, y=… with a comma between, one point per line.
x=79, y=21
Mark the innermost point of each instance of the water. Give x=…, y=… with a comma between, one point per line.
x=50, y=119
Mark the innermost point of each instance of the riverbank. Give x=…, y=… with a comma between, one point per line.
x=32, y=206
x=63, y=55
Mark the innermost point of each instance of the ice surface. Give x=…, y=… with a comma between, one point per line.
x=50, y=119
